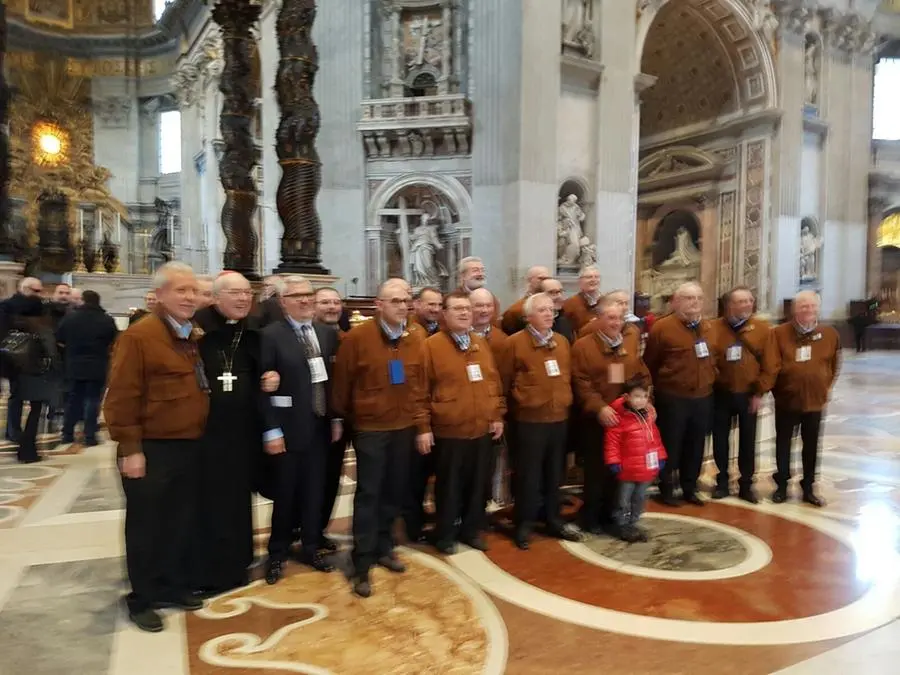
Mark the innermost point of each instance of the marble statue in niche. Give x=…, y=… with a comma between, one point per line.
x=577, y=26
x=764, y=20
x=424, y=245
x=573, y=248
x=675, y=258
x=811, y=71
x=423, y=47
x=810, y=250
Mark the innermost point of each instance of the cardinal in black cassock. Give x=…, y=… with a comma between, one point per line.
x=231, y=447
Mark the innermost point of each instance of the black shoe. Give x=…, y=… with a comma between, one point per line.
x=392, y=564
x=446, y=547
x=317, y=561
x=190, y=603
x=721, y=492
x=274, y=571
x=779, y=496
x=520, y=539
x=694, y=498
x=328, y=545
x=477, y=543
x=748, y=495
x=669, y=500
x=31, y=460
x=642, y=534
x=146, y=620
x=630, y=534
x=361, y=586
x=810, y=498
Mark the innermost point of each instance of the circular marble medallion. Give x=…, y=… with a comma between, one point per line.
x=679, y=547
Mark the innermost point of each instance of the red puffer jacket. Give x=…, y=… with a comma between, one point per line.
x=632, y=444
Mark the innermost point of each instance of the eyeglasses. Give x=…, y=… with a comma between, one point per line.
x=396, y=302
x=305, y=296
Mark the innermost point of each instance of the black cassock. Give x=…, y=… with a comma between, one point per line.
x=231, y=451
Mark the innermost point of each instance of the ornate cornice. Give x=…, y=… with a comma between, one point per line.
x=844, y=31
x=199, y=69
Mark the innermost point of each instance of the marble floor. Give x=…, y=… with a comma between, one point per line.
x=729, y=588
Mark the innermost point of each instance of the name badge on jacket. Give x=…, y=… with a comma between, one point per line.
x=282, y=402
x=804, y=353
x=474, y=372
x=317, y=370
x=552, y=367
x=733, y=353
x=396, y=372
x=653, y=460
x=701, y=349
x=616, y=373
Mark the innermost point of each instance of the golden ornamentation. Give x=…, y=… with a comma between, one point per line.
x=58, y=13
x=49, y=101
x=888, y=233
x=419, y=622
x=49, y=144
x=94, y=16
x=356, y=318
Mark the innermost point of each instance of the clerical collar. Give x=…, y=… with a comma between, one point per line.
x=805, y=330
x=182, y=330
x=483, y=331
x=737, y=322
x=542, y=340
x=613, y=343
x=231, y=322
x=298, y=325
x=462, y=340
x=392, y=333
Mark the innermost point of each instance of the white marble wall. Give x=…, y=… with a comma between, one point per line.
x=117, y=143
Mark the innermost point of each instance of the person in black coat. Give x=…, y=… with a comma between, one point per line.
x=299, y=425
x=87, y=335
x=28, y=287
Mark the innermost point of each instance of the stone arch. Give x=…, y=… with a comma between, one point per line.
x=742, y=61
x=390, y=218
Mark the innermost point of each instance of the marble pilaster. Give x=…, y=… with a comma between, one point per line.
x=271, y=172
x=617, y=145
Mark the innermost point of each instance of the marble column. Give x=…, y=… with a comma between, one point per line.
x=618, y=130
x=5, y=244
x=237, y=18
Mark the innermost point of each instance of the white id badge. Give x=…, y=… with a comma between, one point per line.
x=804, y=353
x=733, y=353
x=701, y=349
x=474, y=372
x=652, y=460
x=616, y=373
x=317, y=370
x=552, y=367
x=282, y=402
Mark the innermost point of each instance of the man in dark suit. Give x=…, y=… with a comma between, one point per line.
x=300, y=426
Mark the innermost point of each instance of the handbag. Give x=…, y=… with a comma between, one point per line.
x=17, y=350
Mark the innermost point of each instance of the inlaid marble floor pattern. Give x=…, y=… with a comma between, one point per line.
x=725, y=589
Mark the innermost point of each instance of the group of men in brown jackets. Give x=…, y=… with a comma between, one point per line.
x=434, y=386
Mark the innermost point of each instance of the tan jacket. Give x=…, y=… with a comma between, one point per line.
x=672, y=358
x=592, y=358
x=752, y=372
x=533, y=395
x=804, y=385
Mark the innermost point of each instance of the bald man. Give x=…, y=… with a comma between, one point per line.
x=514, y=317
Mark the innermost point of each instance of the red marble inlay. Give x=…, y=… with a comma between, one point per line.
x=810, y=573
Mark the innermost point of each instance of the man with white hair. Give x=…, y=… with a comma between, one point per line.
x=472, y=274
x=379, y=383
x=231, y=447
x=156, y=406
x=680, y=358
x=536, y=371
x=300, y=425
x=806, y=363
x=582, y=307
x=514, y=317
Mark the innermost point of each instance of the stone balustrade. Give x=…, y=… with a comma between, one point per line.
x=416, y=126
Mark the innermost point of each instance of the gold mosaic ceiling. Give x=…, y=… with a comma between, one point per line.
x=84, y=16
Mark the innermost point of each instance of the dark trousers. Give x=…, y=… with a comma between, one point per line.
x=600, y=485
x=728, y=407
x=421, y=469
x=382, y=466
x=27, y=438
x=299, y=476
x=786, y=423
x=539, y=446
x=683, y=425
x=334, y=469
x=13, y=412
x=859, y=337
x=460, y=468
x=159, y=516
x=83, y=403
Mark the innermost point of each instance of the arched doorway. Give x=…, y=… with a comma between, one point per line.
x=705, y=134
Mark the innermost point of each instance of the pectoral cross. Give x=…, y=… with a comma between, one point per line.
x=227, y=380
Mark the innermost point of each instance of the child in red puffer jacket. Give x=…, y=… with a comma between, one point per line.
x=635, y=454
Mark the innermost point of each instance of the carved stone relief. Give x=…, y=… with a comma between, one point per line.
x=578, y=27
x=753, y=214
x=810, y=251
x=726, y=243
x=113, y=111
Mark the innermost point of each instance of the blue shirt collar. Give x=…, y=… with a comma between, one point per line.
x=390, y=332
x=298, y=325
x=463, y=341
x=182, y=330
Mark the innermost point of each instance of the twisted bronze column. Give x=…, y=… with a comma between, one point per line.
x=295, y=140
x=236, y=18
x=5, y=244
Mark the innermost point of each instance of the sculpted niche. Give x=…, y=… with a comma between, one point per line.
x=574, y=248
x=578, y=27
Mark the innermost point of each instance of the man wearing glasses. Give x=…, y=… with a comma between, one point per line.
x=378, y=384
x=299, y=425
